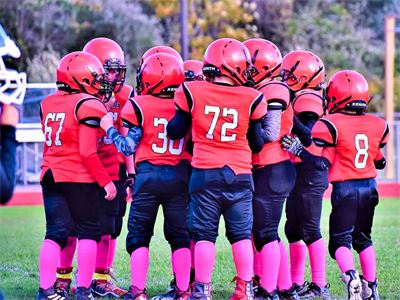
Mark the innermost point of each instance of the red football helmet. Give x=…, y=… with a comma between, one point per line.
x=347, y=89
x=309, y=102
x=193, y=70
x=303, y=69
x=266, y=59
x=162, y=49
x=230, y=58
x=112, y=57
x=160, y=74
x=81, y=72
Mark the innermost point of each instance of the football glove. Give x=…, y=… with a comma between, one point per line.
x=292, y=145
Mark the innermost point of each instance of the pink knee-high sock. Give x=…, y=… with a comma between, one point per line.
x=192, y=246
x=103, y=251
x=111, y=253
x=243, y=257
x=284, y=276
x=298, y=255
x=86, y=262
x=204, y=261
x=317, y=252
x=67, y=254
x=48, y=259
x=181, y=267
x=344, y=259
x=368, y=263
x=257, y=263
x=139, y=267
x=270, y=260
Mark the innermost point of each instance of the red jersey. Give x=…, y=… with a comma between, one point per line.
x=220, y=120
x=273, y=153
x=352, y=144
x=70, y=124
x=153, y=114
x=108, y=153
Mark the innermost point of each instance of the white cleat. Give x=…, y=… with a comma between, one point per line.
x=353, y=285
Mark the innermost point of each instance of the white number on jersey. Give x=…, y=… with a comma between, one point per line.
x=225, y=126
x=53, y=117
x=361, y=143
x=166, y=142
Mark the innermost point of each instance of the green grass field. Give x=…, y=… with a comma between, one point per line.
x=22, y=230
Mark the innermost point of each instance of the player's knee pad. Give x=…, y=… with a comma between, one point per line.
x=107, y=224
x=179, y=242
x=197, y=236
x=311, y=235
x=118, y=228
x=335, y=242
x=136, y=242
x=293, y=232
x=59, y=236
x=361, y=241
x=261, y=241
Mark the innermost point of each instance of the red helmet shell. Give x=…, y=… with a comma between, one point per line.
x=347, y=89
x=227, y=57
x=80, y=71
x=309, y=101
x=303, y=69
x=162, y=49
x=160, y=74
x=266, y=59
x=193, y=70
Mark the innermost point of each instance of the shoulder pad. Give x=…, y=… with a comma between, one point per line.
x=125, y=93
x=131, y=114
x=276, y=91
x=89, y=111
x=324, y=133
x=309, y=101
x=183, y=98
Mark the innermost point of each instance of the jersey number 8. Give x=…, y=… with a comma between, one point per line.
x=361, y=143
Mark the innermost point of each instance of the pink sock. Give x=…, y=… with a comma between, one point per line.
x=344, y=259
x=192, y=246
x=298, y=255
x=270, y=260
x=368, y=263
x=103, y=250
x=181, y=267
x=257, y=263
x=284, y=276
x=243, y=257
x=86, y=262
x=204, y=261
x=139, y=267
x=111, y=253
x=48, y=259
x=317, y=252
x=67, y=254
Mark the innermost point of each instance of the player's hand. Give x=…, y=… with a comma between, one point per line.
x=292, y=144
x=111, y=191
x=107, y=121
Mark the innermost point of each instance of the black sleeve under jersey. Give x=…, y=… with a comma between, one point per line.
x=255, y=136
x=179, y=125
x=318, y=162
x=302, y=131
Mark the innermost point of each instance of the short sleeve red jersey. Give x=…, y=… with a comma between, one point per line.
x=220, y=120
x=62, y=114
x=273, y=153
x=108, y=153
x=153, y=114
x=353, y=141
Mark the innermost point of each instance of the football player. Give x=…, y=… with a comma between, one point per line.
x=352, y=140
x=193, y=70
x=224, y=118
x=162, y=173
x=72, y=171
x=273, y=172
x=304, y=73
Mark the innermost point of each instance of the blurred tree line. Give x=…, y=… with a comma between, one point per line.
x=344, y=33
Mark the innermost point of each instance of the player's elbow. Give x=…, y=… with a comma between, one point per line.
x=380, y=164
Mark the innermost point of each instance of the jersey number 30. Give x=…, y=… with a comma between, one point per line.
x=48, y=130
x=361, y=143
x=167, y=144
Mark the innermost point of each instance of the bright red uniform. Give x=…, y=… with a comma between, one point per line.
x=220, y=121
x=153, y=114
x=70, y=124
x=354, y=142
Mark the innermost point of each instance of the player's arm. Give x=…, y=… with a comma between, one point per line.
x=129, y=160
x=379, y=160
x=180, y=124
x=255, y=136
x=88, y=114
x=128, y=144
x=303, y=131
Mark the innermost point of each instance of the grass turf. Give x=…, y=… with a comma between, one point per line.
x=22, y=230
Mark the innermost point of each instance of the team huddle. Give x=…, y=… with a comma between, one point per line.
x=238, y=135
